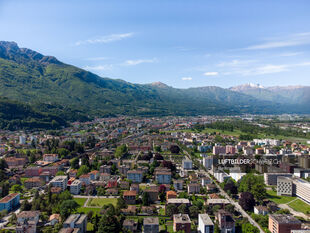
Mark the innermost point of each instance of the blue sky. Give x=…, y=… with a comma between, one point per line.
x=182, y=43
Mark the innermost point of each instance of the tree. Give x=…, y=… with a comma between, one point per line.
x=247, y=201
x=193, y=211
x=230, y=187
x=171, y=209
x=60, y=173
x=248, y=181
x=183, y=209
x=121, y=150
x=249, y=228
x=67, y=207
x=75, y=163
x=145, y=199
x=121, y=203
x=16, y=188
x=82, y=170
x=259, y=192
x=174, y=149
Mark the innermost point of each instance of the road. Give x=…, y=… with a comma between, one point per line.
x=236, y=204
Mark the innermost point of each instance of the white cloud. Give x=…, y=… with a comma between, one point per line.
x=105, y=39
x=139, y=61
x=236, y=63
x=187, y=78
x=261, y=69
x=210, y=73
x=288, y=41
x=99, y=68
x=292, y=54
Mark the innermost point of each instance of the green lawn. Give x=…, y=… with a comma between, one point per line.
x=300, y=206
x=272, y=195
x=80, y=201
x=100, y=202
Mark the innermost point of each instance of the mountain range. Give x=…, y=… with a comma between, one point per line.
x=63, y=92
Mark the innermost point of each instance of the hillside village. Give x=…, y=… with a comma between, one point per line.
x=168, y=174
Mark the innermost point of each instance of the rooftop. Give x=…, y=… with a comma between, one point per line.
x=205, y=219
x=150, y=221
x=284, y=218
x=9, y=197
x=181, y=218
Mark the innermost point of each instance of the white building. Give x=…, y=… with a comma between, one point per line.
x=284, y=186
x=221, y=176
x=22, y=140
x=205, y=224
x=187, y=164
x=75, y=187
x=207, y=162
x=60, y=181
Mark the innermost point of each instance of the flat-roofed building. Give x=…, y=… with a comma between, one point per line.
x=181, y=222
x=10, y=202
x=76, y=221
x=302, y=189
x=135, y=176
x=283, y=223
x=150, y=225
x=60, y=181
x=284, y=186
x=75, y=187
x=205, y=224
x=271, y=178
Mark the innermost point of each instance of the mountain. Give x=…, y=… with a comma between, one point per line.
x=54, y=88
x=15, y=115
x=296, y=96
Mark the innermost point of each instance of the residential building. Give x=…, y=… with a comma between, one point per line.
x=153, y=194
x=217, y=150
x=283, y=223
x=150, y=225
x=10, y=202
x=262, y=210
x=193, y=188
x=76, y=221
x=226, y=221
x=181, y=222
x=130, y=225
x=60, y=181
x=178, y=184
x=135, y=176
x=75, y=187
x=28, y=216
x=230, y=149
x=171, y=194
x=34, y=182
x=187, y=164
x=130, y=197
x=50, y=158
x=205, y=224
x=85, y=179
x=163, y=177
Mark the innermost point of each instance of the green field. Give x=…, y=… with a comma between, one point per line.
x=80, y=201
x=272, y=195
x=100, y=202
x=300, y=206
x=238, y=133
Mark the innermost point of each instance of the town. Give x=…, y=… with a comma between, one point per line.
x=162, y=174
